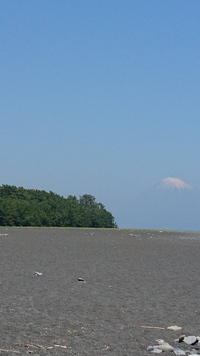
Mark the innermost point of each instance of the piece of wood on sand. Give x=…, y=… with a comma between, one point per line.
x=152, y=327
x=13, y=351
x=30, y=345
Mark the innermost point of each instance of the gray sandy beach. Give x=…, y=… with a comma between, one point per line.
x=133, y=279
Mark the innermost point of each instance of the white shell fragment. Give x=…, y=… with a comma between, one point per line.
x=37, y=273
x=156, y=351
x=174, y=327
x=179, y=352
x=164, y=347
x=189, y=340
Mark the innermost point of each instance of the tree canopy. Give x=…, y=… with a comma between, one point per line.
x=30, y=207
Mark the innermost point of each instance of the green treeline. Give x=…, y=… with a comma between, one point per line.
x=29, y=207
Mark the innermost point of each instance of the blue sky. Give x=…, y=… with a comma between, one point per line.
x=103, y=97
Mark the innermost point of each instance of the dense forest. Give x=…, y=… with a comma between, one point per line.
x=29, y=207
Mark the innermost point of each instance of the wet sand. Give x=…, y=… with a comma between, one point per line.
x=133, y=279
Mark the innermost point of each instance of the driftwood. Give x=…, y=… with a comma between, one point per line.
x=174, y=328
x=152, y=327
x=30, y=345
x=13, y=351
x=21, y=344
x=61, y=346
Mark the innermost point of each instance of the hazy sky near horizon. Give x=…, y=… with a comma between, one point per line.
x=103, y=97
